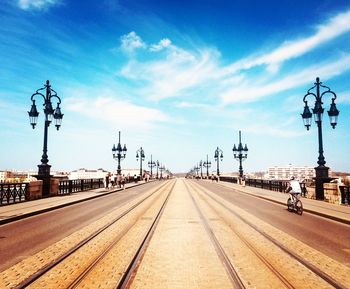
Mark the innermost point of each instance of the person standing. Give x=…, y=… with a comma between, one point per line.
x=123, y=182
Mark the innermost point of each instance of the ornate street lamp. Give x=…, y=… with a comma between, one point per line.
x=218, y=155
x=240, y=154
x=119, y=154
x=161, y=168
x=201, y=167
x=196, y=168
x=321, y=170
x=151, y=165
x=157, y=164
x=141, y=157
x=207, y=164
x=50, y=113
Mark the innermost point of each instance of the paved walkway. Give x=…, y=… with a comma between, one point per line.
x=340, y=213
x=10, y=213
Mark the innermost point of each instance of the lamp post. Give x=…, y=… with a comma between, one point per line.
x=218, y=156
x=141, y=157
x=151, y=164
x=196, y=168
x=161, y=168
x=240, y=154
x=321, y=170
x=157, y=164
x=44, y=167
x=119, y=154
x=207, y=164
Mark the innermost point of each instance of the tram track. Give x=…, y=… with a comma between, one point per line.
x=30, y=281
x=235, y=278
x=290, y=252
x=130, y=272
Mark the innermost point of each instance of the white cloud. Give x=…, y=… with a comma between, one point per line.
x=171, y=76
x=164, y=43
x=343, y=97
x=180, y=73
x=130, y=42
x=335, y=27
x=283, y=132
x=249, y=91
x=110, y=109
x=185, y=104
x=36, y=4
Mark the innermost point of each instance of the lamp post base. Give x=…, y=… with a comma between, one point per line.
x=44, y=175
x=321, y=178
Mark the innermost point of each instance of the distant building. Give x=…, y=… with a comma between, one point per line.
x=13, y=176
x=87, y=174
x=3, y=176
x=60, y=175
x=285, y=173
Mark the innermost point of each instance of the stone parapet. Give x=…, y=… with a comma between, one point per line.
x=311, y=193
x=54, y=186
x=35, y=190
x=332, y=193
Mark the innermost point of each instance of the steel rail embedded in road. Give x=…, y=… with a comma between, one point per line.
x=42, y=271
x=232, y=272
x=254, y=250
x=130, y=272
x=329, y=279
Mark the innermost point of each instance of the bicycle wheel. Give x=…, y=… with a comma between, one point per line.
x=299, y=207
x=289, y=205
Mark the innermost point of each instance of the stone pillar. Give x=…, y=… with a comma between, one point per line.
x=311, y=194
x=54, y=187
x=331, y=193
x=35, y=190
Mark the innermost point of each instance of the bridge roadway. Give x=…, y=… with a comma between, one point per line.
x=176, y=234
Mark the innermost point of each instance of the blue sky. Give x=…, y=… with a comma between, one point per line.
x=178, y=78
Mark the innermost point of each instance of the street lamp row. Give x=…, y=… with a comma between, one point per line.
x=239, y=152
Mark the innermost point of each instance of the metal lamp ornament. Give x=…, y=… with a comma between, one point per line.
x=240, y=154
x=218, y=156
x=141, y=157
x=50, y=114
x=333, y=113
x=119, y=154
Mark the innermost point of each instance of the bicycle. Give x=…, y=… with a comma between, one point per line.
x=295, y=205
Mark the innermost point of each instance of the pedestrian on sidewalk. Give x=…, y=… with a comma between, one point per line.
x=106, y=181
x=119, y=180
x=243, y=181
x=123, y=182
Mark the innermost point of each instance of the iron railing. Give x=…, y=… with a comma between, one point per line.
x=228, y=179
x=72, y=186
x=11, y=193
x=272, y=185
x=345, y=194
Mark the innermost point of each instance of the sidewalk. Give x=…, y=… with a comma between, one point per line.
x=339, y=213
x=17, y=211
